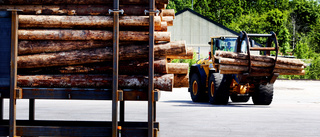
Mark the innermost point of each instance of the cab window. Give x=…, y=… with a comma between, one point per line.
x=227, y=44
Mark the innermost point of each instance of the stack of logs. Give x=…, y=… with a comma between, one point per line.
x=236, y=63
x=68, y=43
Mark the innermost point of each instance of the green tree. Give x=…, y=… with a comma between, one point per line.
x=274, y=20
x=315, y=39
x=179, y=5
x=303, y=50
x=305, y=13
x=223, y=12
x=296, y=23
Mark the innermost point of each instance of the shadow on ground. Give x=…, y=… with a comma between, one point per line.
x=189, y=103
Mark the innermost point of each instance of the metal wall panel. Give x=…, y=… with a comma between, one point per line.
x=196, y=31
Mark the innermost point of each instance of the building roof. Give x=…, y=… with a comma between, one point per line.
x=210, y=20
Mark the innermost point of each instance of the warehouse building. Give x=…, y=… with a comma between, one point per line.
x=196, y=30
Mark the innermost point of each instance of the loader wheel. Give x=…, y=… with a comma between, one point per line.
x=218, y=89
x=235, y=98
x=196, y=91
x=263, y=94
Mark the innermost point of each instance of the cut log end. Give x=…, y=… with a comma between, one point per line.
x=181, y=80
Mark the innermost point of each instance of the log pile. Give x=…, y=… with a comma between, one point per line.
x=68, y=44
x=237, y=63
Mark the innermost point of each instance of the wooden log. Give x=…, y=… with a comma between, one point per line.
x=24, y=34
x=163, y=27
x=244, y=56
x=242, y=69
x=233, y=61
x=188, y=55
x=293, y=67
x=230, y=72
x=33, y=47
x=131, y=67
x=181, y=80
x=76, y=9
x=162, y=82
x=281, y=72
x=167, y=12
x=96, y=55
x=168, y=19
x=289, y=61
x=178, y=68
x=233, y=67
x=161, y=6
x=44, y=21
x=241, y=62
x=84, y=2
x=262, y=58
x=170, y=48
x=289, y=72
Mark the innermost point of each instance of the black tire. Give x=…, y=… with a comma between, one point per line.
x=263, y=94
x=235, y=98
x=218, y=88
x=196, y=90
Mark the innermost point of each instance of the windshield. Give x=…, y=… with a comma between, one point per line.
x=227, y=44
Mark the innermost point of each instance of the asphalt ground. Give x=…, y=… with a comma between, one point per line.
x=294, y=112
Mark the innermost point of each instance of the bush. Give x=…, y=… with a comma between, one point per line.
x=190, y=61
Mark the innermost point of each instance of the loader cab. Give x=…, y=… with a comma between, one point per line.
x=228, y=43
x=223, y=43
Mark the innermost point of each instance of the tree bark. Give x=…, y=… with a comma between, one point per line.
x=262, y=58
x=178, y=68
x=77, y=9
x=243, y=56
x=233, y=68
x=167, y=12
x=33, y=47
x=181, y=80
x=84, y=2
x=293, y=67
x=45, y=21
x=163, y=27
x=281, y=72
x=125, y=68
x=229, y=72
x=89, y=35
x=168, y=19
x=233, y=61
x=242, y=69
x=241, y=62
x=187, y=55
x=76, y=57
x=170, y=48
x=162, y=82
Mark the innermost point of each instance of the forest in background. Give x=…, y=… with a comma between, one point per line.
x=296, y=23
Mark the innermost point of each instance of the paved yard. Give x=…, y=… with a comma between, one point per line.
x=294, y=112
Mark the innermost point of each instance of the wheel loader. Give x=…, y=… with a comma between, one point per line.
x=206, y=84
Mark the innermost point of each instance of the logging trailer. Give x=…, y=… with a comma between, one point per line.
x=208, y=83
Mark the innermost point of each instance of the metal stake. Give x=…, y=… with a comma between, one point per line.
x=31, y=109
x=13, y=73
x=151, y=101
x=115, y=68
x=122, y=111
x=1, y=108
